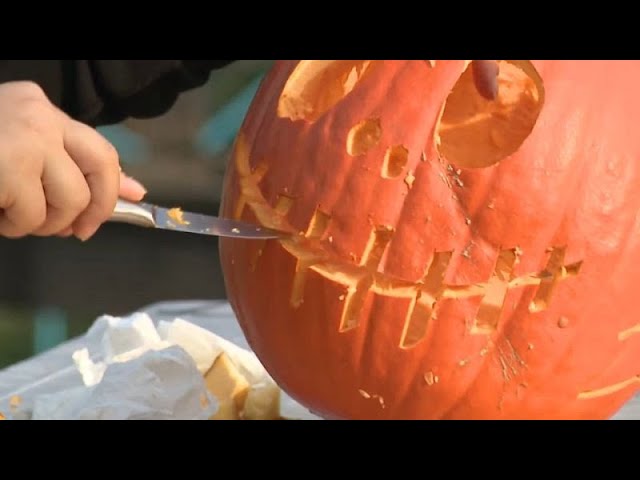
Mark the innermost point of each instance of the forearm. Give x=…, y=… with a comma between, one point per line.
x=100, y=92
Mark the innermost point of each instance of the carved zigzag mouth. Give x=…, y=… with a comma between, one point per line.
x=361, y=278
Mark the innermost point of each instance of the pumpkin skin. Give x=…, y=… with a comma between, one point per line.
x=449, y=261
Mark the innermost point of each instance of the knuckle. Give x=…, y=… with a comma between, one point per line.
x=7, y=193
x=104, y=209
x=35, y=117
x=11, y=233
x=6, y=229
x=30, y=89
x=102, y=150
x=36, y=219
x=27, y=164
x=32, y=107
x=79, y=200
x=27, y=225
x=22, y=89
x=110, y=156
x=99, y=209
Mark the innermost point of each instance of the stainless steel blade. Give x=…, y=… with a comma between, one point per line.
x=154, y=216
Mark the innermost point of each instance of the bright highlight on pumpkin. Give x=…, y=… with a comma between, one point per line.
x=318, y=85
x=475, y=132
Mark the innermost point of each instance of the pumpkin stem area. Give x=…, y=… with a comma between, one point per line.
x=477, y=132
x=315, y=86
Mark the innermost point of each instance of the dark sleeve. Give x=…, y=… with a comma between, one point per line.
x=101, y=92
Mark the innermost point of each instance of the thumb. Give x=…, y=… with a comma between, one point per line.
x=131, y=189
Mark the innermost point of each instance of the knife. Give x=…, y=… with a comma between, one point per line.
x=154, y=216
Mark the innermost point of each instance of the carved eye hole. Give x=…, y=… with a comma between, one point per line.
x=315, y=86
x=476, y=132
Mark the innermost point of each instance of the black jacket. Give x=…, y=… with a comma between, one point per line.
x=100, y=92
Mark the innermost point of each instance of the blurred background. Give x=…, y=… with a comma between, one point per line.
x=54, y=289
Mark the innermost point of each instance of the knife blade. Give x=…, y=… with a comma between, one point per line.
x=154, y=216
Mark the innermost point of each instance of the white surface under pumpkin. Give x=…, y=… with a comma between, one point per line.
x=168, y=361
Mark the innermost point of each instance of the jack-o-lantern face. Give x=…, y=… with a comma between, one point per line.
x=454, y=256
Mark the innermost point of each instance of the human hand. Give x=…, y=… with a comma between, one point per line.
x=485, y=77
x=57, y=176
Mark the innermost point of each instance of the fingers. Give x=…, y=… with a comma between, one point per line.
x=485, y=78
x=97, y=159
x=57, y=176
x=24, y=210
x=67, y=232
x=131, y=189
x=67, y=194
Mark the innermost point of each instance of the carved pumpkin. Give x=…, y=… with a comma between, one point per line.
x=454, y=256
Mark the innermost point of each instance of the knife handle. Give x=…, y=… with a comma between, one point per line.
x=133, y=214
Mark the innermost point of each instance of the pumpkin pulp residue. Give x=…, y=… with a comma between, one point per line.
x=176, y=215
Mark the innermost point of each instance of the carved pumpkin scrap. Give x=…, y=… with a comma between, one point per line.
x=459, y=251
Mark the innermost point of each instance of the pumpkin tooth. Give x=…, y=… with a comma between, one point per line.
x=422, y=309
x=495, y=294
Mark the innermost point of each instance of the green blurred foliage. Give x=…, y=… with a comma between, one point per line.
x=17, y=331
x=16, y=334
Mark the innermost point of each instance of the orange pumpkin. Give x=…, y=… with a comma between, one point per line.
x=454, y=256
